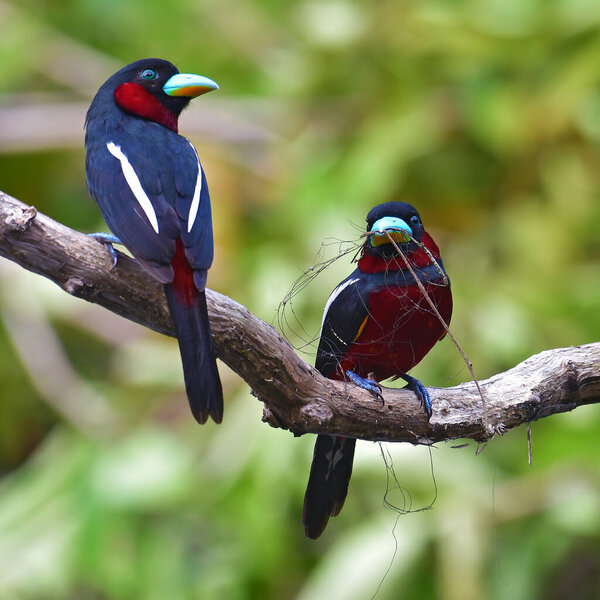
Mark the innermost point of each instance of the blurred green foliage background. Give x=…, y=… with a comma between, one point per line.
x=485, y=114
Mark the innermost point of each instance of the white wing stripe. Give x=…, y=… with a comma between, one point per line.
x=133, y=181
x=338, y=290
x=196, y=199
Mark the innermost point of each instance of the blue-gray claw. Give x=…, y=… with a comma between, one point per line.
x=421, y=391
x=108, y=239
x=367, y=384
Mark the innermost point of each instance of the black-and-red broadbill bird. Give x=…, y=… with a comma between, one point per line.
x=377, y=324
x=150, y=187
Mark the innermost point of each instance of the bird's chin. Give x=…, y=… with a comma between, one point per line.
x=388, y=250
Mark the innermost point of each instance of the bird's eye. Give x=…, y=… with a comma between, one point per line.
x=148, y=74
x=414, y=220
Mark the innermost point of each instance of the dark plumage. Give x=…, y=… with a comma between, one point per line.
x=151, y=189
x=377, y=324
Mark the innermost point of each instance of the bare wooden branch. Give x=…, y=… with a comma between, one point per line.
x=295, y=396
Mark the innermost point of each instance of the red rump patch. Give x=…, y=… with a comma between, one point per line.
x=136, y=99
x=183, y=277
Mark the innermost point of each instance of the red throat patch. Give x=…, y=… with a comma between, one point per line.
x=136, y=99
x=417, y=258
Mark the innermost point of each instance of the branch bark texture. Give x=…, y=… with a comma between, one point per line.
x=295, y=396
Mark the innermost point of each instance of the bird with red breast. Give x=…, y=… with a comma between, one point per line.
x=377, y=324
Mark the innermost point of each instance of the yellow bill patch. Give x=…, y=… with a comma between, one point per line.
x=190, y=91
x=378, y=239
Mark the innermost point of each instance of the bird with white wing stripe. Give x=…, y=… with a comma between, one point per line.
x=150, y=187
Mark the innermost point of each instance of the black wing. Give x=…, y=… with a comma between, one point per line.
x=197, y=234
x=345, y=312
x=165, y=167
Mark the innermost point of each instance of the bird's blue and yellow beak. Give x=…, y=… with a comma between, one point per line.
x=398, y=229
x=189, y=85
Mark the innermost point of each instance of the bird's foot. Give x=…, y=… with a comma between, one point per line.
x=367, y=384
x=420, y=390
x=108, y=239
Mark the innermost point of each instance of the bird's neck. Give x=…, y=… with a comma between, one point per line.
x=369, y=263
x=136, y=100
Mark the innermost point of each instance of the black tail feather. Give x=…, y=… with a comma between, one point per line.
x=328, y=482
x=200, y=373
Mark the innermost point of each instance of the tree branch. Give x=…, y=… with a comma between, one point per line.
x=295, y=396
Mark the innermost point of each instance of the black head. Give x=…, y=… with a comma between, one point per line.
x=151, y=74
x=153, y=89
x=401, y=220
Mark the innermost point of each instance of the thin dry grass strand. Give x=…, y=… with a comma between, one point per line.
x=292, y=325
x=529, y=448
x=440, y=318
x=390, y=471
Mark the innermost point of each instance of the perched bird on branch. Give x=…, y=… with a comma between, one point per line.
x=150, y=187
x=377, y=324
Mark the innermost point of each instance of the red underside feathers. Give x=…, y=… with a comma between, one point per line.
x=183, y=277
x=400, y=331
x=401, y=328
x=135, y=99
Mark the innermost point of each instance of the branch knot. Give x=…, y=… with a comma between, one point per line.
x=20, y=219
